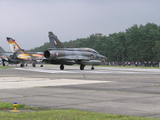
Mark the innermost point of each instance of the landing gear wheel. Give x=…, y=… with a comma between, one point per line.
x=34, y=65
x=22, y=65
x=41, y=66
x=62, y=67
x=92, y=68
x=4, y=64
x=82, y=67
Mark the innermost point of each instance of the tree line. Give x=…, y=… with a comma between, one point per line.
x=137, y=43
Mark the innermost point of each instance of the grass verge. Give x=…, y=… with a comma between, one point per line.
x=63, y=114
x=4, y=67
x=9, y=106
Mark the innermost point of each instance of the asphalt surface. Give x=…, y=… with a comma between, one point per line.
x=125, y=91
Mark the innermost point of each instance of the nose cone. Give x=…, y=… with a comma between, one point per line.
x=103, y=57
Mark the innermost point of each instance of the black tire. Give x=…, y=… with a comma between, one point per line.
x=34, y=65
x=4, y=64
x=62, y=67
x=82, y=67
x=22, y=65
x=92, y=68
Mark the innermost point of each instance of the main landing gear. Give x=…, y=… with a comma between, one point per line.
x=41, y=65
x=62, y=67
x=82, y=67
x=34, y=64
x=21, y=65
x=3, y=63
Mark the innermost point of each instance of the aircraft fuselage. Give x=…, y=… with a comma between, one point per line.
x=70, y=56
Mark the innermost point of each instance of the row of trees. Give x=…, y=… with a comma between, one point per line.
x=137, y=43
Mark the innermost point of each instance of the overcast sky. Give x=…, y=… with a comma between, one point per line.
x=29, y=21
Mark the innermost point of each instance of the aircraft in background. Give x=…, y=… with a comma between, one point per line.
x=4, y=56
x=20, y=55
x=58, y=54
x=2, y=50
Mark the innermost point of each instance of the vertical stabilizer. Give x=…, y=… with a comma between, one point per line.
x=54, y=42
x=14, y=46
x=2, y=50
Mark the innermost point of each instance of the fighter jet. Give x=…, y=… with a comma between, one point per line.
x=2, y=50
x=4, y=56
x=20, y=54
x=58, y=54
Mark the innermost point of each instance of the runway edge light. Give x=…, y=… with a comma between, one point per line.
x=15, y=107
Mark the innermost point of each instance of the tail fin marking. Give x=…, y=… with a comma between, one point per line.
x=14, y=46
x=54, y=41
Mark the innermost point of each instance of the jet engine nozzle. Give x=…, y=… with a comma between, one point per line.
x=49, y=54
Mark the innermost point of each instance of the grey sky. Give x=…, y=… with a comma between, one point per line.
x=28, y=21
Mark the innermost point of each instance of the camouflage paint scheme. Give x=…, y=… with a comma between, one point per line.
x=4, y=56
x=58, y=54
x=21, y=55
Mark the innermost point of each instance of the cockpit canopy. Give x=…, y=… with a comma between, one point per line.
x=90, y=50
x=93, y=51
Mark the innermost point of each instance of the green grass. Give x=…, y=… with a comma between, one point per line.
x=9, y=106
x=4, y=67
x=62, y=114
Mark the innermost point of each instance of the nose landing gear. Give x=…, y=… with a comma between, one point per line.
x=92, y=68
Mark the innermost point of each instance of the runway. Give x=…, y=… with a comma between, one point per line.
x=107, y=70
x=126, y=91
